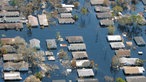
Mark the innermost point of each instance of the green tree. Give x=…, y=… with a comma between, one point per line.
x=84, y=10
x=120, y=80
x=76, y=4
x=111, y=30
x=39, y=75
x=75, y=17
x=117, y=9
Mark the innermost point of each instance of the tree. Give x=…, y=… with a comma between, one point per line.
x=32, y=79
x=139, y=62
x=58, y=36
x=115, y=62
x=75, y=17
x=120, y=80
x=62, y=54
x=76, y=4
x=106, y=2
x=73, y=63
x=84, y=10
x=111, y=30
x=39, y=75
x=117, y=9
x=108, y=79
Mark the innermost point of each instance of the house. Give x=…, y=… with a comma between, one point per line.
x=15, y=26
x=83, y=63
x=66, y=15
x=66, y=20
x=87, y=80
x=12, y=76
x=77, y=47
x=67, y=6
x=9, y=14
x=7, y=41
x=117, y=45
x=85, y=73
x=106, y=22
x=139, y=41
x=102, y=9
x=12, y=57
x=20, y=66
x=96, y=2
x=135, y=78
x=114, y=38
x=133, y=70
x=51, y=43
x=64, y=10
x=79, y=55
x=35, y=43
x=48, y=53
x=9, y=48
x=33, y=21
x=123, y=53
x=58, y=80
x=51, y=58
x=43, y=20
x=104, y=15
x=74, y=39
x=10, y=20
x=144, y=2
x=128, y=61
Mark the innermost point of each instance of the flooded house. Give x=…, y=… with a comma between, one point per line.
x=106, y=22
x=9, y=14
x=12, y=57
x=102, y=9
x=85, y=73
x=35, y=43
x=11, y=76
x=114, y=38
x=61, y=80
x=123, y=53
x=77, y=47
x=15, y=26
x=135, y=78
x=66, y=21
x=67, y=6
x=43, y=21
x=12, y=66
x=10, y=20
x=51, y=58
x=64, y=10
x=49, y=53
x=117, y=45
x=51, y=44
x=32, y=20
x=128, y=61
x=87, y=80
x=139, y=41
x=9, y=48
x=83, y=63
x=7, y=41
x=80, y=55
x=66, y=15
x=96, y=2
x=104, y=15
x=74, y=39
x=133, y=70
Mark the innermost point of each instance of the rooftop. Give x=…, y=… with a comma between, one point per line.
x=117, y=45
x=66, y=21
x=85, y=72
x=113, y=38
x=123, y=53
x=106, y=22
x=66, y=15
x=80, y=55
x=43, y=20
x=74, y=39
x=51, y=43
x=32, y=20
x=88, y=80
x=139, y=41
x=12, y=76
x=128, y=61
x=77, y=47
x=104, y=15
x=102, y=9
x=135, y=78
x=97, y=2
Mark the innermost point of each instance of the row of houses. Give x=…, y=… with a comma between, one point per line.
x=132, y=67
x=103, y=12
x=83, y=64
x=11, y=20
x=13, y=63
x=65, y=13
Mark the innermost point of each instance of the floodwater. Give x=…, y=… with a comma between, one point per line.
x=98, y=48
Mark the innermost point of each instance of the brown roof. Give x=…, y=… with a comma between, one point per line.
x=123, y=53
x=7, y=40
